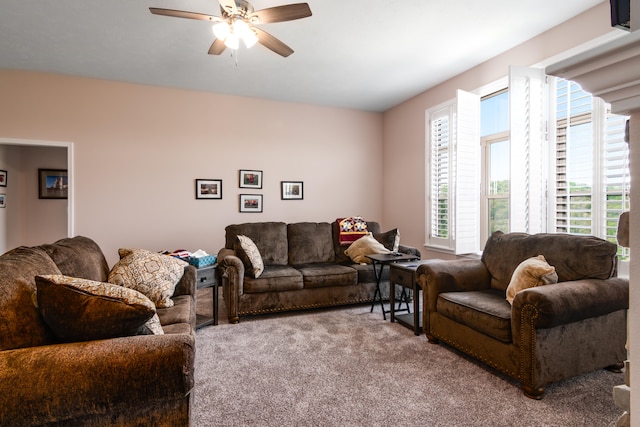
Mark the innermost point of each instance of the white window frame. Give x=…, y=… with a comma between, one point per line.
x=463, y=176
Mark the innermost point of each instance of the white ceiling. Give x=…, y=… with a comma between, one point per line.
x=363, y=54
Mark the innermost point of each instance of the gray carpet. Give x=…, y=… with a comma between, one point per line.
x=349, y=367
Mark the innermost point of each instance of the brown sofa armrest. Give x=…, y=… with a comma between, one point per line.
x=410, y=250
x=439, y=276
x=40, y=385
x=187, y=284
x=568, y=302
x=231, y=274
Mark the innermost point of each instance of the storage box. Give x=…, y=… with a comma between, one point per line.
x=202, y=261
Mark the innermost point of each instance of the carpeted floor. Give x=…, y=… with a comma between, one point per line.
x=349, y=367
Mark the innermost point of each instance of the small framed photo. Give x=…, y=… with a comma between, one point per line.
x=53, y=184
x=3, y=201
x=3, y=178
x=251, y=203
x=291, y=190
x=208, y=189
x=250, y=179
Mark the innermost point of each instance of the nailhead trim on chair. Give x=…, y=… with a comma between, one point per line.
x=530, y=313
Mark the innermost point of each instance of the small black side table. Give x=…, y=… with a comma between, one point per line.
x=378, y=261
x=206, y=278
x=404, y=274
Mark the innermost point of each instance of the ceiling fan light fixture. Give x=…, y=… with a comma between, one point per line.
x=221, y=30
x=250, y=38
x=232, y=41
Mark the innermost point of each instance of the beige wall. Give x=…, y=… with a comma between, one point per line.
x=404, y=125
x=138, y=150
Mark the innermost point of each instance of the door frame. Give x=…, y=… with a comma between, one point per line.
x=70, y=171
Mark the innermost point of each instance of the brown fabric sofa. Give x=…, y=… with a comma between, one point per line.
x=551, y=332
x=126, y=381
x=305, y=267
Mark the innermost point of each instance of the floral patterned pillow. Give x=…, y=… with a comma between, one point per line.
x=250, y=255
x=153, y=274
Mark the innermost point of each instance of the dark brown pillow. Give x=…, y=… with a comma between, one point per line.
x=84, y=310
x=389, y=239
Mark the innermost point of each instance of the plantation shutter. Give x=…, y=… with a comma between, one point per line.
x=467, y=154
x=527, y=150
x=441, y=130
x=616, y=174
x=453, y=177
x=574, y=153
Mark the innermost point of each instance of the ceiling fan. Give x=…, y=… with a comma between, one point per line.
x=238, y=22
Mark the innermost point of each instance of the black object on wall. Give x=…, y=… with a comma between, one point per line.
x=621, y=14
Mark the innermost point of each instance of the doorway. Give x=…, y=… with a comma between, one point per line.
x=25, y=218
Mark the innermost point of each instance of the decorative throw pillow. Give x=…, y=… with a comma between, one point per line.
x=83, y=310
x=390, y=239
x=250, y=255
x=155, y=275
x=530, y=273
x=364, y=246
x=351, y=229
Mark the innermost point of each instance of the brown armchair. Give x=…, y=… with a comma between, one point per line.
x=551, y=332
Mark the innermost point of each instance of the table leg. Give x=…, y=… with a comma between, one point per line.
x=377, y=295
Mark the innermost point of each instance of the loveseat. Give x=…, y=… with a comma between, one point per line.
x=125, y=380
x=552, y=331
x=305, y=266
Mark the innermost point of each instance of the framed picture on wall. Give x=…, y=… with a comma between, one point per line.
x=250, y=179
x=251, y=203
x=208, y=189
x=53, y=184
x=3, y=178
x=291, y=190
x=3, y=201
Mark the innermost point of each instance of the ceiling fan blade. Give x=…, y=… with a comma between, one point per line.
x=270, y=42
x=217, y=47
x=183, y=14
x=287, y=12
x=228, y=6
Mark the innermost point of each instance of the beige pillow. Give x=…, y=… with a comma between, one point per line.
x=250, y=255
x=366, y=245
x=155, y=275
x=83, y=310
x=530, y=273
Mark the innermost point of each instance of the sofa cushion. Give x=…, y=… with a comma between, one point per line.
x=367, y=275
x=79, y=257
x=324, y=275
x=83, y=310
x=274, y=278
x=530, y=273
x=155, y=275
x=591, y=257
x=248, y=252
x=366, y=245
x=180, y=313
x=484, y=311
x=20, y=322
x=310, y=242
x=269, y=237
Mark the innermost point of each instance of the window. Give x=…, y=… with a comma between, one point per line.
x=453, y=175
x=494, y=115
x=592, y=180
x=546, y=157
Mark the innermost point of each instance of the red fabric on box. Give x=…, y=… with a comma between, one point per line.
x=351, y=229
